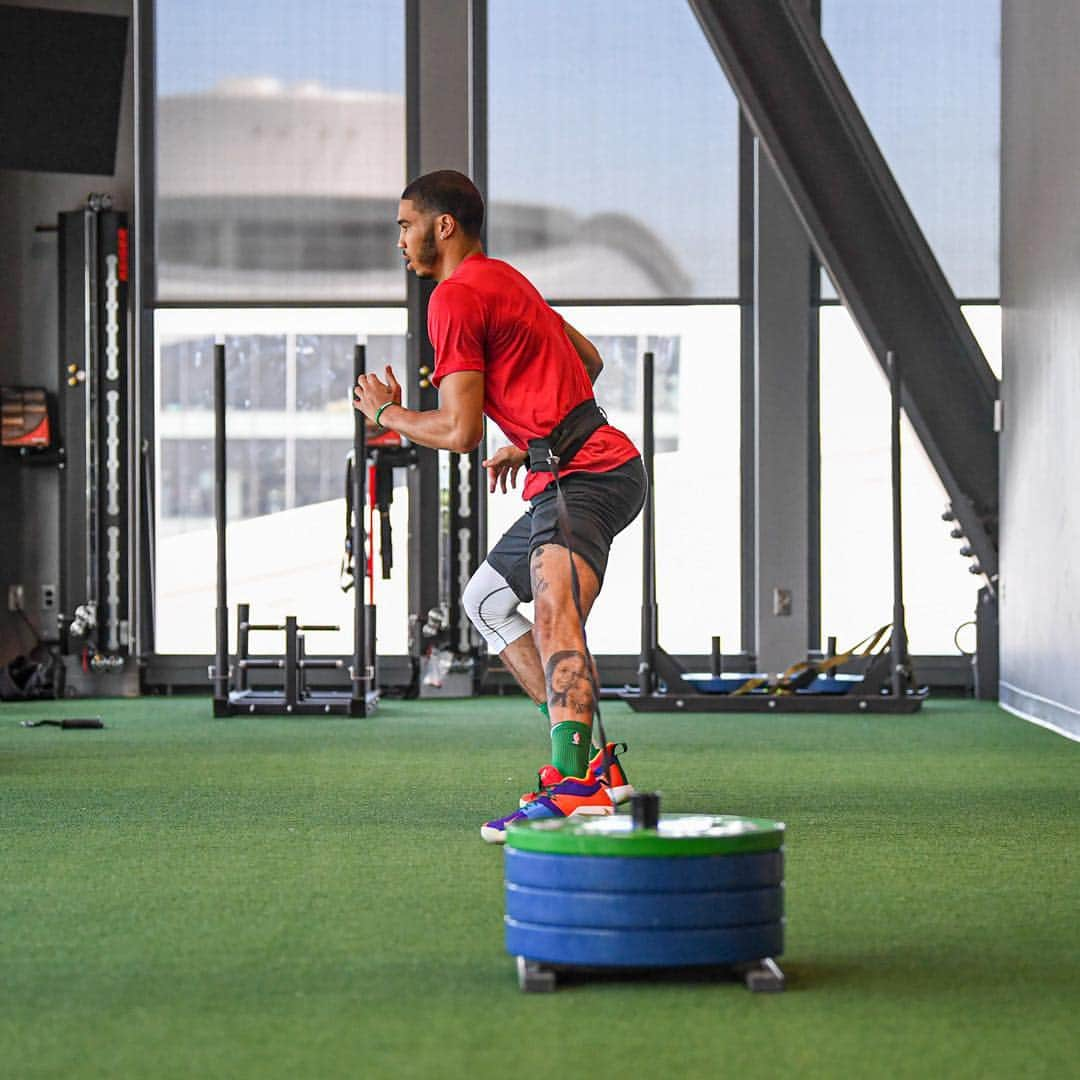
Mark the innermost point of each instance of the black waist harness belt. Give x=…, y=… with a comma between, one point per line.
x=569, y=435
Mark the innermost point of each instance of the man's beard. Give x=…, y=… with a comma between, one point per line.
x=426, y=256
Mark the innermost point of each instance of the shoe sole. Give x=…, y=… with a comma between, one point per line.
x=619, y=794
x=498, y=836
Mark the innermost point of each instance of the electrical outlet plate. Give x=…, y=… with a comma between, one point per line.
x=48, y=597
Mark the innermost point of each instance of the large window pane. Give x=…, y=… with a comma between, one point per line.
x=927, y=76
x=696, y=466
x=613, y=150
x=289, y=424
x=280, y=149
x=856, y=502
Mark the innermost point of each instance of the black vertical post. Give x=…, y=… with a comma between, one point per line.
x=301, y=668
x=813, y=460
x=92, y=435
x=221, y=661
x=898, y=646
x=360, y=675
x=243, y=621
x=75, y=547
x=371, y=631
x=747, y=391
x=292, y=663
x=649, y=633
x=465, y=510
x=456, y=513
x=144, y=278
x=425, y=514
x=985, y=661
x=717, y=658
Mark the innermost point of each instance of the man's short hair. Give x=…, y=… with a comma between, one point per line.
x=449, y=192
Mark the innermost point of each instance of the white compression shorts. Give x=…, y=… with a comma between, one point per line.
x=492, y=607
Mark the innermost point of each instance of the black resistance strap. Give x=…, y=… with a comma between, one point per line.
x=544, y=457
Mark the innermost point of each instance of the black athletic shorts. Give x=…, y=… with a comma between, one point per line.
x=599, y=506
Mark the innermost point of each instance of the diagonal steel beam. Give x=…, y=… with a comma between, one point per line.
x=798, y=105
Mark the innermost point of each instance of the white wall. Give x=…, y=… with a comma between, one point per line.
x=1040, y=534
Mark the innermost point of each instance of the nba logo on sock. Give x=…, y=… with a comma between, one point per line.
x=577, y=738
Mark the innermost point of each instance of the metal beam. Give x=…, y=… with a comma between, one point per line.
x=862, y=229
x=423, y=542
x=445, y=111
x=781, y=424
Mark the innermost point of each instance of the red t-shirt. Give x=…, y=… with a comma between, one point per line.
x=487, y=317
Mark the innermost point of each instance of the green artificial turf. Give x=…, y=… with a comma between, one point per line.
x=189, y=897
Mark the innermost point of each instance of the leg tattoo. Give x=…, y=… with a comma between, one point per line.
x=568, y=682
x=539, y=582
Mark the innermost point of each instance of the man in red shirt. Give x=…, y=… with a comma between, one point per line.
x=502, y=351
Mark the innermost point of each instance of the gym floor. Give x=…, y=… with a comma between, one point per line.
x=183, y=896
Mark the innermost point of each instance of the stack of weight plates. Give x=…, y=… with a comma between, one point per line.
x=695, y=890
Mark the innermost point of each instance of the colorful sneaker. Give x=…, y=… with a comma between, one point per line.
x=621, y=789
x=568, y=798
x=546, y=778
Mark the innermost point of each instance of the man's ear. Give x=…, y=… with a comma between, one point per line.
x=446, y=226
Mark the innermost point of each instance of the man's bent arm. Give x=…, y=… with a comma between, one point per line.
x=456, y=425
x=588, y=352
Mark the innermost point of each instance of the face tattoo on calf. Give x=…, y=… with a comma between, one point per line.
x=567, y=673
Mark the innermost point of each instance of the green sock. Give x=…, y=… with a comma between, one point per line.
x=570, y=748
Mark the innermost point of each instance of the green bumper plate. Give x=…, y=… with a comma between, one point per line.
x=677, y=834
